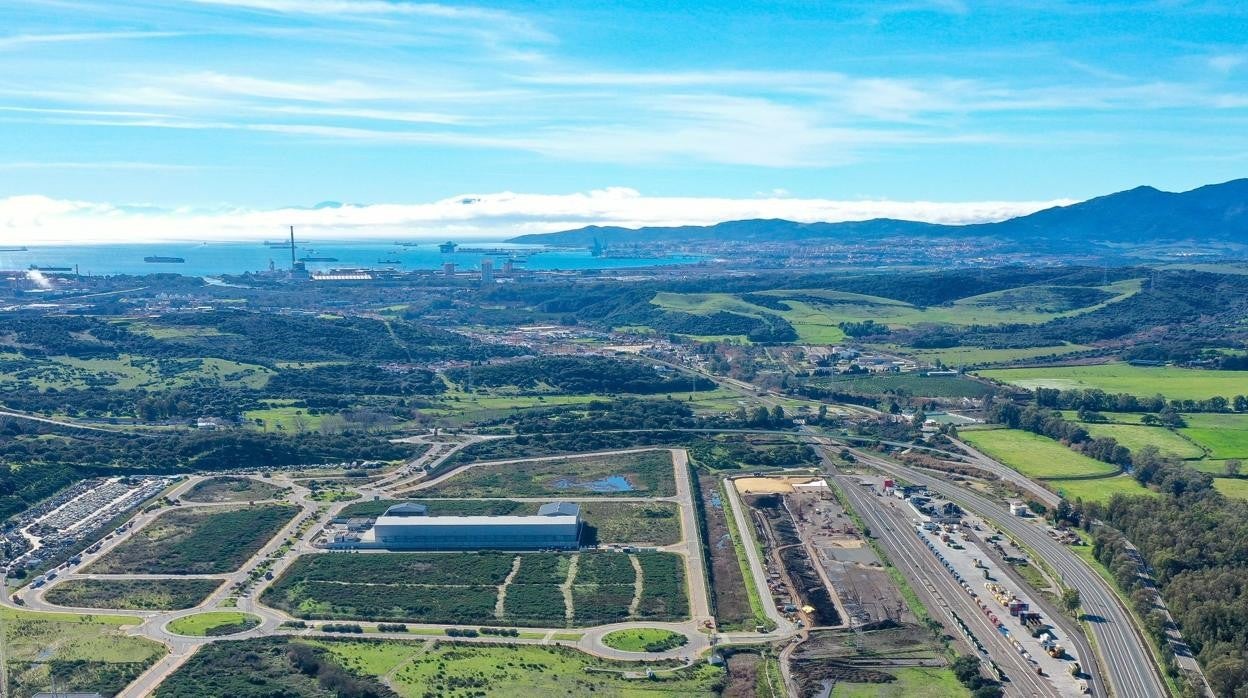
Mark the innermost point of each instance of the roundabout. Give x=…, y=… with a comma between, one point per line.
x=644, y=640
x=213, y=624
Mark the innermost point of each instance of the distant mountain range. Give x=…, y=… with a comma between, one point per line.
x=1216, y=212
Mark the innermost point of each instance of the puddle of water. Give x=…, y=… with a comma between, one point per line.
x=610, y=483
x=715, y=501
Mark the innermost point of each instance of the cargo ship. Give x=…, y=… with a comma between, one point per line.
x=156, y=259
x=318, y=259
x=389, y=261
x=35, y=268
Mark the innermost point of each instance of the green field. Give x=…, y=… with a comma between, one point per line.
x=1205, y=444
x=1225, y=435
x=514, y=671
x=1035, y=456
x=1099, y=489
x=283, y=417
x=644, y=640
x=1231, y=487
x=231, y=489
x=907, y=384
x=139, y=594
x=975, y=356
x=196, y=541
x=1136, y=437
x=910, y=683
x=128, y=372
x=816, y=314
x=213, y=623
x=648, y=473
x=88, y=652
x=1143, y=381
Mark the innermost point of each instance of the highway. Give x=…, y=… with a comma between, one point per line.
x=930, y=579
x=1125, y=654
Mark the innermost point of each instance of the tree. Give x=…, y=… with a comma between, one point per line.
x=1232, y=467
x=1071, y=601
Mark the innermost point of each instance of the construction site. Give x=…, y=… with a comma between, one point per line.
x=821, y=571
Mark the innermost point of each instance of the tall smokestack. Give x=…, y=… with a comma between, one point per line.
x=292, y=248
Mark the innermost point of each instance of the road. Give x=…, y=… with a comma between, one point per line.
x=929, y=578
x=1125, y=654
x=154, y=624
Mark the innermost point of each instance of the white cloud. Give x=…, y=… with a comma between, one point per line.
x=1228, y=62
x=24, y=40
x=96, y=165
x=489, y=21
x=43, y=220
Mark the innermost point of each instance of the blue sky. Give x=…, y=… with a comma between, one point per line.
x=253, y=105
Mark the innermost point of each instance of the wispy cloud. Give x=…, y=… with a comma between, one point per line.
x=1227, y=63
x=487, y=19
x=45, y=220
x=26, y=40
x=97, y=165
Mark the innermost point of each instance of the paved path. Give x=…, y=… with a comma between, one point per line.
x=695, y=570
x=758, y=572
x=154, y=624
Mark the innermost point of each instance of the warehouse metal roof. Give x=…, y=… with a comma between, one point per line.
x=477, y=520
x=559, y=509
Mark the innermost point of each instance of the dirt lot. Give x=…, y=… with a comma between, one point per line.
x=743, y=668
x=730, y=600
x=769, y=485
x=862, y=657
x=783, y=542
x=866, y=591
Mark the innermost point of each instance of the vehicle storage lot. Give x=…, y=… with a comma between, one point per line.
x=969, y=563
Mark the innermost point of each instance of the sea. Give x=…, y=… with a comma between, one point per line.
x=216, y=258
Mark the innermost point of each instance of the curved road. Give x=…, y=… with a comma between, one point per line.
x=1128, y=661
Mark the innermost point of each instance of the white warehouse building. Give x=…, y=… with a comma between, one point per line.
x=408, y=526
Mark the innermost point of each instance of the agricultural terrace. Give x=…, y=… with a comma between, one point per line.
x=1144, y=381
x=88, y=652
x=138, y=594
x=648, y=473
x=207, y=540
x=515, y=671
x=527, y=589
x=607, y=522
x=231, y=489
